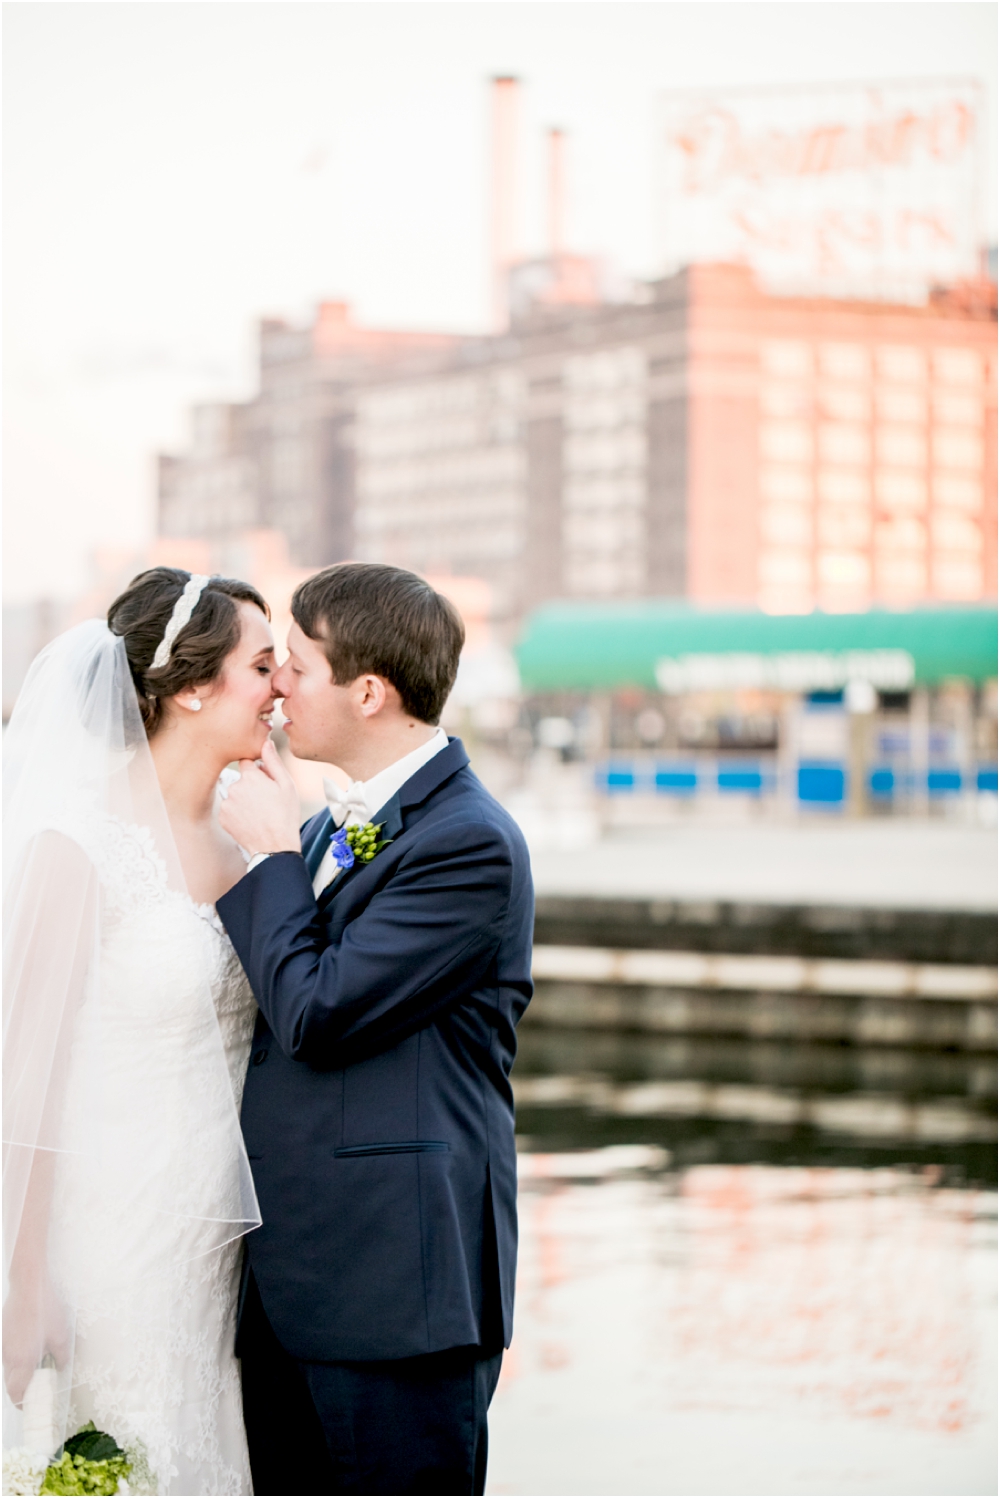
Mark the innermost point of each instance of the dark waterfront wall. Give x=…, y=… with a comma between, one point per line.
x=916, y=979
x=867, y=934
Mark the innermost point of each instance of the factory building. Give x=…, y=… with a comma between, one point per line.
x=696, y=437
x=708, y=442
x=285, y=459
x=703, y=440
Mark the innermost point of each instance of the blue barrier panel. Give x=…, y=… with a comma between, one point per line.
x=748, y=779
x=676, y=780
x=821, y=783
x=615, y=777
x=825, y=699
x=882, y=783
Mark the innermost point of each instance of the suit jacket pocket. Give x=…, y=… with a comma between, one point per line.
x=396, y=1147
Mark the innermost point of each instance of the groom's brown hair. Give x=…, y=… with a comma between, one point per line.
x=384, y=620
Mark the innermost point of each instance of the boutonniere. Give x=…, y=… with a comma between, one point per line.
x=351, y=845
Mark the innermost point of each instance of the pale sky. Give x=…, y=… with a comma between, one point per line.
x=174, y=171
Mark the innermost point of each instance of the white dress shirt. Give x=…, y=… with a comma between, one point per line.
x=345, y=805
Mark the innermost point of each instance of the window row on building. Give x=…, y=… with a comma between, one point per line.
x=710, y=441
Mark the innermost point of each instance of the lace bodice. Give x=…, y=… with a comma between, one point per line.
x=141, y=908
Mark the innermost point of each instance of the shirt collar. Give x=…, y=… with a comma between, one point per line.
x=383, y=786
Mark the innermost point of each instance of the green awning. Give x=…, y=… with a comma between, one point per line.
x=591, y=646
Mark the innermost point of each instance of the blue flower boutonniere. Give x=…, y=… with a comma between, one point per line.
x=351, y=845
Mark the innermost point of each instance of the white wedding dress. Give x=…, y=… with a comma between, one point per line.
x=127, y=1028
x=155, y=1315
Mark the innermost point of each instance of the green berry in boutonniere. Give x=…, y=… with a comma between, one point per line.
x=364, y=842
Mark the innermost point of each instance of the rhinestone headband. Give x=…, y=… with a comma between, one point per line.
x=183, y=609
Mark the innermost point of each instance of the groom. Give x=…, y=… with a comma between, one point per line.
x=391, y=966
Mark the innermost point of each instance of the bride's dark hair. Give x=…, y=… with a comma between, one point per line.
x=141, y=615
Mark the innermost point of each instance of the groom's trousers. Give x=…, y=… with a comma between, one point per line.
x=412, y=1425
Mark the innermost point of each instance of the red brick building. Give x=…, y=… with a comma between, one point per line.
x=703, y=439
x=840, y=454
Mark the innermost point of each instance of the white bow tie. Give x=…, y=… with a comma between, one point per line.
x=346, y=805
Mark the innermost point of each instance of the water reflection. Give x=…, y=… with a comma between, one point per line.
x=717, y=1101
x=707, y=1306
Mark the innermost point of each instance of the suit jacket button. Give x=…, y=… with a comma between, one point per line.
x=259, y=1056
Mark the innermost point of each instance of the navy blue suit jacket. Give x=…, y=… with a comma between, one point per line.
x=378, y=1114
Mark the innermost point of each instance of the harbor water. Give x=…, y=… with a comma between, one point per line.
x=741, y=1303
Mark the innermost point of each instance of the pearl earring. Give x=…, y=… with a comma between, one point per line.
x=195, y=704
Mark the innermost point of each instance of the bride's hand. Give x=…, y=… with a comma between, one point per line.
x=261, y=810
x=34, y=1323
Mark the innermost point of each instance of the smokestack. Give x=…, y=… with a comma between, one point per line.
x=557, y=192
x=503, y=208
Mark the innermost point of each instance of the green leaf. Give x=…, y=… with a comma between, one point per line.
x=93, y=1444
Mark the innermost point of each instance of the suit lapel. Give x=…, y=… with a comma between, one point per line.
x=417, y=789
x=336, y=885
x=431, y=776
x=316, y=840
x=390, y=818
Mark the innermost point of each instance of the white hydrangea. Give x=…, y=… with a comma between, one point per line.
x=141, y=1479
x=23, y=1470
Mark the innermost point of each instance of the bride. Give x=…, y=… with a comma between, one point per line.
x=127, y=1027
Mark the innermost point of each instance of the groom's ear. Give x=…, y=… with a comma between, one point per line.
x=374, y=693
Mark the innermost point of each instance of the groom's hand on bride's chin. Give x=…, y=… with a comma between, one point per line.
x=261, y=810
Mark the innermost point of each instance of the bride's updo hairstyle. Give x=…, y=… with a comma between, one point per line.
x=141, y=615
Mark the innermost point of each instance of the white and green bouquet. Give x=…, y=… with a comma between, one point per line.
x=89, y=1462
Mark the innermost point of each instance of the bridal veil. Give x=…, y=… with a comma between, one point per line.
x=88, y=1087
